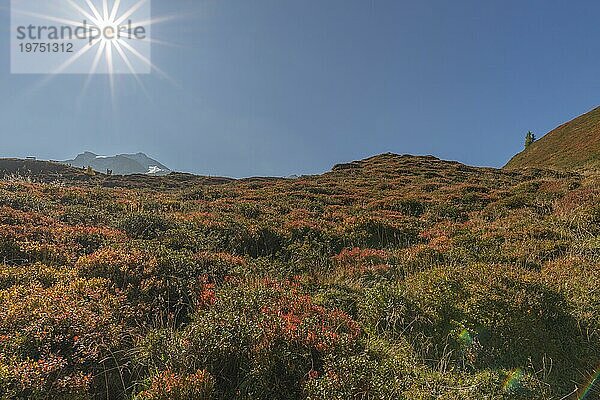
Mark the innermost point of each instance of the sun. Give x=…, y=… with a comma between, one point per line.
x=109, y=32
x=108, y=35
x=112, y=29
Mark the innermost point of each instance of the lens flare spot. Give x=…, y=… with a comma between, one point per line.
x=513, y=380
x=465, y=337
x=592, y=390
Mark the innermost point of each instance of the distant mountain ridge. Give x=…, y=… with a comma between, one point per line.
x=120, y=164
x=572, y=146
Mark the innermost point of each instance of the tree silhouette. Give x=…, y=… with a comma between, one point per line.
x=529, y=139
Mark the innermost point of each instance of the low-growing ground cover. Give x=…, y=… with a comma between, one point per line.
x=396, y=277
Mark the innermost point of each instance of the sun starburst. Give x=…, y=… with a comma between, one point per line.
x=116, y=38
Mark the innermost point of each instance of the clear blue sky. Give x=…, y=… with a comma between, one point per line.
x=279, y=87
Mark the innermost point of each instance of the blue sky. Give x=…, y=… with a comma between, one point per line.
x=280, y=87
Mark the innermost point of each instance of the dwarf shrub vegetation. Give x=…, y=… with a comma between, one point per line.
x=395, y=277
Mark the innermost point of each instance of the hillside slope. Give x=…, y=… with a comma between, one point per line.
x=574, y=145
x=393, y=277
x=42, y=171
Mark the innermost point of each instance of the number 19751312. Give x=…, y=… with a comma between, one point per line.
x=35, y=47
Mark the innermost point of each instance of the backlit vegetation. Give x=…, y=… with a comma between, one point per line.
x=391, y=278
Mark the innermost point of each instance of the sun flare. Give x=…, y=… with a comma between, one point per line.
x=112, y=38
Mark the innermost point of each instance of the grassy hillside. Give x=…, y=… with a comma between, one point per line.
x=574, y=145
x=395, y=277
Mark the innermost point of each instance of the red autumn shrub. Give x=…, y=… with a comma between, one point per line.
x=167, y=385
x=53, y=339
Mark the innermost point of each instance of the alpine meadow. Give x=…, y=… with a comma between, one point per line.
x=395, y=277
